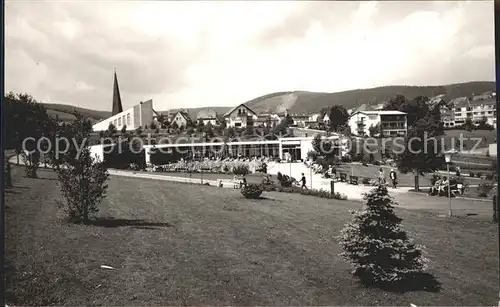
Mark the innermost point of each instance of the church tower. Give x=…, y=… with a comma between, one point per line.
x=117, y=100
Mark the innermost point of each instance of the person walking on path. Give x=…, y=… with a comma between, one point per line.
x=381, y=177
x=457, y=171
x=303, y=181
x=394, y=177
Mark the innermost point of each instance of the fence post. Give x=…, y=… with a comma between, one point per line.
x=495, y=209
x=332, y=187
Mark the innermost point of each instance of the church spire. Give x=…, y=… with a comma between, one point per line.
x=117, y=101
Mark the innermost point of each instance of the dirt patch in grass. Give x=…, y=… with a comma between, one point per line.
x=175, y=244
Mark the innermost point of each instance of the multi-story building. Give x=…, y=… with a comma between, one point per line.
x=445, y=108
x=240, y=116
x=476, y=109
x=461, y=110
x=388, y=123
x=137, y=116
x=484, y=107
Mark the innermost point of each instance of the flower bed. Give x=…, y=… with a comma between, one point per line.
x=208, y=166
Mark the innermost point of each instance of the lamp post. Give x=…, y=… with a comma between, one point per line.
x=311, y=176
x=447, y=159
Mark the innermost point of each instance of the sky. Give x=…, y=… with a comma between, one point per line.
x=207, y=53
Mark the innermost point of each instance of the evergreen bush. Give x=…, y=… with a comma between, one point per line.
x=252, y=191
x=376, y=244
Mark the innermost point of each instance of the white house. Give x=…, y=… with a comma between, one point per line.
x=389, y=123
x=240, y=116
x=314, y=117
x=207, y=116
x=326, y=119
x=180, y=118
x=137, y=116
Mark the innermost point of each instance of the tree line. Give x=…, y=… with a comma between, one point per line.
x=30, y=131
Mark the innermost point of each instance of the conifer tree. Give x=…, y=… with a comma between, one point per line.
x=377, y=245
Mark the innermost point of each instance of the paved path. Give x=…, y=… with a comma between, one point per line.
x=314, y=181
x=405, y=198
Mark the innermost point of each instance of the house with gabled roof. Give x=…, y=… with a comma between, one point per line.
x=181, y=118
x=240, y=116
x=207, y=116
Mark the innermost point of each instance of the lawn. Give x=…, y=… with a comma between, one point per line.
x=179, y=244
x=485, y=137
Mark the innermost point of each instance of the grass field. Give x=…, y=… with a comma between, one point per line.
x=484, y=137
x=172, y=244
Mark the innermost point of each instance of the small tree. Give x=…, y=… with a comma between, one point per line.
x=374, y=130
x=138, y=131
x=112, y=130
x=338, y=117
x=422, y=149
x=469, y=126
x=377, y=245
x=31, y=162
x=124, y=129
x=82, y=177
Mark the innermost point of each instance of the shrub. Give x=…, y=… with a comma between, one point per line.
x=346, y=159
x=241, y=170
x=312, y=155
x=358, y=157
x=484, y=189
x=489, y=177
x=376, y=244
x=366, y=181
x=225, y=168
x=262, y=168
x=471, y=174
x=285, y=180
x=134, y=166
x=479, y=174
x=376, y=163
x=82, y=178
x=252, y=191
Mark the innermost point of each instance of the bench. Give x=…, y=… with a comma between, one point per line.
x=235, y=183
x=353, y=180
x=343, y=177
x=455, y=189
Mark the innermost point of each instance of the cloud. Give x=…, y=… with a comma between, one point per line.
x=189, y=54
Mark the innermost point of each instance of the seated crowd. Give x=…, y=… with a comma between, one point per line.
x=439, y=186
